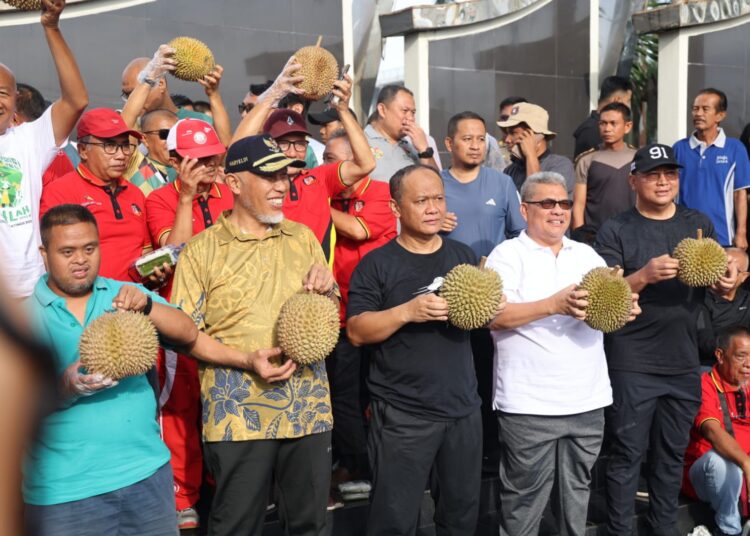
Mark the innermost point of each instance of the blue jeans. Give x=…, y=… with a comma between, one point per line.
x=718, y=482
x=145, y=508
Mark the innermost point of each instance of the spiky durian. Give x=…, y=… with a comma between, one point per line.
x=119, y=344
x=193, y=59
x=702, y=261
x=473, y=295
x=308, y=327
x=320, y=70
x=610, y=299
x=25, y=5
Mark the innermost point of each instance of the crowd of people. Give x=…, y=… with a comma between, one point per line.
x=368, y=217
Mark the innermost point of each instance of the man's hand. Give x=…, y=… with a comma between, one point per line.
x=450, y=222
x=727, y=282
x=162, y=63
x=192, y=174
x=571, y=302
x=74, y=384
x=343, y=90
x=51, y=11
x=417, y=136
x=527, y=144
x=635, y=310
x=660, y=269
x=130, y=298
x=211, y=82
x=284, y=83
x=740, y=241
x=159, y=276
x=426, y=308
x=319, y=280
x=500, y=308
x=261, y=362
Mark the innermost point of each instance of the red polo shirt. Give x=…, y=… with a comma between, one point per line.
x=161, y=208
x=711, y=386
x=370, y=206
x=120, y=213
x=308, y=201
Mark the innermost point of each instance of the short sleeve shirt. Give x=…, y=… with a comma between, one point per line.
x=100, y=443
x=120, y=214
x=233, y=286
x=25, y=152
x=547, y=162
x=389, y=157
x=709, y=178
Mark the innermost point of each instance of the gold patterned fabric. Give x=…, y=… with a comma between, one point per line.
x=233, y=286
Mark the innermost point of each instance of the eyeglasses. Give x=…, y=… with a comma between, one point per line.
x=245, y=107
x=300, y=145
x=111, y=147
x=565, y=204
x=654, y=176
x=162, y=132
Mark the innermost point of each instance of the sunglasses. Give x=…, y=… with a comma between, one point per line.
x=162, y=132
x=565, y=204
x=245, y=108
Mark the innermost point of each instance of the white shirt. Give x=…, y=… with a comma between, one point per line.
x=556, y=365
x=25, y=152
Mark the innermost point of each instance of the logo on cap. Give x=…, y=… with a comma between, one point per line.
x=271, y=144
x=289, y=120
x=200, y=138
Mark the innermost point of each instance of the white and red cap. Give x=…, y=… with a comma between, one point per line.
x=193, y=138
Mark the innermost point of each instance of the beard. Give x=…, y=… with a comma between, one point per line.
x=76, y=289
x=270, y=219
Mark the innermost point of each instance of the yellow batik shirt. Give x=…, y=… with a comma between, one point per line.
x=233, y=286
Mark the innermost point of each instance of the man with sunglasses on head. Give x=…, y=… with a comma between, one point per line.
x=155, y=169
x=653, y=361
x=104, y=145
x=551, y=381
x=717, y=464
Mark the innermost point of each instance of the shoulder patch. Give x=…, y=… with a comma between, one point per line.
x=584, y=153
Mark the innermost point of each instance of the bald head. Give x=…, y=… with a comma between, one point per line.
x=740, y=257
x=133, y=68
x=158, y=97
x=8, y=95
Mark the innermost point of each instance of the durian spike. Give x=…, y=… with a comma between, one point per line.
x=700, y=234
x=320, y=40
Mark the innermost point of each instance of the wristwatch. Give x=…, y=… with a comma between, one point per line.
x=427, y=153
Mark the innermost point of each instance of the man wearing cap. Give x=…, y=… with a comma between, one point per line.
x=715, y=170
x=527, y=136
x=653, y=361
x=328, y=121
x=25, y=152
x=119, y=207
x=155, y=169
x=233, y=279
x=176, y=212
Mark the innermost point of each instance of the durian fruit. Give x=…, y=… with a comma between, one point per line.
x=610, y=299
x=119, y=344
x=473, y=295
x=702, y=261
x=308, y=327
x=320, y=70
x=193, y=59
x=25, y=5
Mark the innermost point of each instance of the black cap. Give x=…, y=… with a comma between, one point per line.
x=326, y=116
x=653, y=156
x=259, y=155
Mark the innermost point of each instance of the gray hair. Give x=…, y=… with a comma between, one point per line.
x=541, y=177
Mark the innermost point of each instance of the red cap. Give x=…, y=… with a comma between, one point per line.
x=193, y=138
x=104, y=123
x=283, y=122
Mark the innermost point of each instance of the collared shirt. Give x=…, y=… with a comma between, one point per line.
x=711, y=386
x=233, y=285
x=152, y=175
x=389, y=157
x=710, y=176
x=555, y=365
x=119, y=212
x=100, y=443
x=547, y=162
x=370, y=205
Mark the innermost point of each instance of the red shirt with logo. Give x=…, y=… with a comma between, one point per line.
x=711, y=386
x=308, y=201
x=370, y=205
x=120, y=214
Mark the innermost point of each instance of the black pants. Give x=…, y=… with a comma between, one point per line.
x=407, y=452
x=483, y=350
x=346, y=370
x=301, y=469
x=653, y=412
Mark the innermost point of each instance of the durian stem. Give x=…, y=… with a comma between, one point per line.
x=482, y=262
x=700, y=234
x=320, y=40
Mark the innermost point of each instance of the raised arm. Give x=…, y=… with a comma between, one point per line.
x=73, y=95
x=362, y=162
x=151, y=75
x=222, y=124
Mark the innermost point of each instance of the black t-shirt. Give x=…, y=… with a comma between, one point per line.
x=423, y=368
x=719, y=314
x=663, y=338
x=587, y=134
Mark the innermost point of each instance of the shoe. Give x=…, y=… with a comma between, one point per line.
x=188, y=519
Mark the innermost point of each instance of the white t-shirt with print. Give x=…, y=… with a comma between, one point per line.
x=25, y=153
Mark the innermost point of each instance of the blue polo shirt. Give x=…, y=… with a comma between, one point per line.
x=488, y=209
x=709, y=178
x=103, y=442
